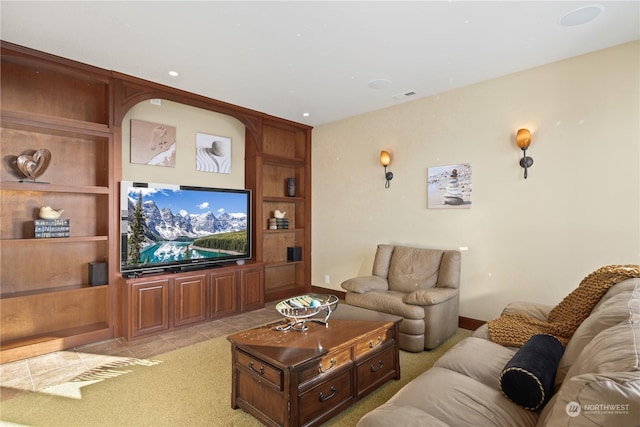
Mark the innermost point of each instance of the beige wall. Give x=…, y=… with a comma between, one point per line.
x=188, y=121
x=531, y=239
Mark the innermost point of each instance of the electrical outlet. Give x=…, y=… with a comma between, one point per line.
x=327, y=279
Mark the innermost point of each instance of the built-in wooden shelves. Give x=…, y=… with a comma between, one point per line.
x=75, y=111
x=46, y=300
x=284, y=152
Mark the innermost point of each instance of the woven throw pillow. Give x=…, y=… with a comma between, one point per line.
x=527, y=379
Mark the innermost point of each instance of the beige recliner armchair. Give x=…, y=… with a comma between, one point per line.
x=421, y=285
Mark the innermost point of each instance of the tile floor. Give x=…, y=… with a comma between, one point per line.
x=56, y=368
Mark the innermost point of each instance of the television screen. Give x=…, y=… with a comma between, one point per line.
x=170, y=227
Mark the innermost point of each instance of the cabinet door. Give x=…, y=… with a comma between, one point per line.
x=252, y=289
x=223, y=297
x=189, y=300
x=149, y=307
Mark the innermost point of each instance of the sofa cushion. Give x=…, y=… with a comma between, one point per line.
x=364, y=284
x=489, y=359
x=527, y=379
x=613, y=309
x=595, y=400
x=413, y=268
x=455, y=400
x=616, y=349
x=395, y=415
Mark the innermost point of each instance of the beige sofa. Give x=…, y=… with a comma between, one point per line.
x=597, y=381
x=421, y=285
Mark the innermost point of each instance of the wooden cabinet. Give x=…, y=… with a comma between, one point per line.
x=223, y=294
x=165, y=302
x=148, y=303
x=189, y=300
x=284, y=152
x=46, y=300
x=252, y=288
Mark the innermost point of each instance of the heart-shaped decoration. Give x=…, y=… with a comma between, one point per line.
x=35, y=165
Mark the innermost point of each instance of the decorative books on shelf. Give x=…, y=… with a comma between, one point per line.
x=51, y=228
x=278, y=223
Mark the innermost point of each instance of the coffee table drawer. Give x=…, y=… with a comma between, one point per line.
x=327, y=365
x=324, y=397
x=260, y=369
x=376, y=369
x=374, y=342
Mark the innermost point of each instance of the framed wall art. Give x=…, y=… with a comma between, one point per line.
x=449, y=187
x=153, y=144
x=213, y=153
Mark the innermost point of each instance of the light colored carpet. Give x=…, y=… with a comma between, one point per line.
x=186, y=387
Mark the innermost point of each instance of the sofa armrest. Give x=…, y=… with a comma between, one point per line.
x=431, y=296
x=363, y=284
x=535, y=310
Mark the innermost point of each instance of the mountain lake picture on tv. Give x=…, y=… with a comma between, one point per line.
x=167, y=227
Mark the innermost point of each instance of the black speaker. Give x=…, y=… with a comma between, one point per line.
x=98, y=273
x=294, y=253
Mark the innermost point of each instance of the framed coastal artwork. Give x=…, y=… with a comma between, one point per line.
x=153, y=144
x=449, y=187
x=213, y=153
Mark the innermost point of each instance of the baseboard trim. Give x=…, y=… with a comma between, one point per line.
x=469, y=323
x=463, y=322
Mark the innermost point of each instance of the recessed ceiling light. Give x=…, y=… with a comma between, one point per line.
x=174, y=73
x=581, y=15
x=379, y=83
x=305, y=114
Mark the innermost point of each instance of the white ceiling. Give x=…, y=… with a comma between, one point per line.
x=288, y=58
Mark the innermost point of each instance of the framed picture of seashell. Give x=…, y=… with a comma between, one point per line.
x=153, y=144
x=213, y=153
x=449, y=187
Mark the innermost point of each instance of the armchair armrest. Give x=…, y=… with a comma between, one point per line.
x=535, y=310
x=431, y=296
x=363, y=284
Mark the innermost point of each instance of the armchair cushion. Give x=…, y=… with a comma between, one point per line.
x=412, y=268
x=431, y=296
x=363, y=284
x=382, y=260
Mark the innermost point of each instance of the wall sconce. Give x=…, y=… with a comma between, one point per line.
x=523, y=139
x=385, y=159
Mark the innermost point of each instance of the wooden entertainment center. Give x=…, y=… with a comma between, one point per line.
x=76, y=111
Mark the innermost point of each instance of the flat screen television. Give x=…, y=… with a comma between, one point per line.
x=169, y=228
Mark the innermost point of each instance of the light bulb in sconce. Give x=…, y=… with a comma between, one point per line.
x=385, y=160
x=523, y=139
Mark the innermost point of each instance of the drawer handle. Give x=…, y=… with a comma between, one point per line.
x=333, y=363
x=380, y=365
x=371, y=344
x=324, y=399
x=260, y=372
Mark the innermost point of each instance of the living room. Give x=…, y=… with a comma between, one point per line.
x=527, y=239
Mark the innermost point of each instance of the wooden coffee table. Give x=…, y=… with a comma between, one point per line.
x=304, y=378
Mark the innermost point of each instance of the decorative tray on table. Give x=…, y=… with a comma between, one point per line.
x=306, y=308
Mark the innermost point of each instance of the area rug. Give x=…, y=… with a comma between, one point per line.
x=186, y=387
